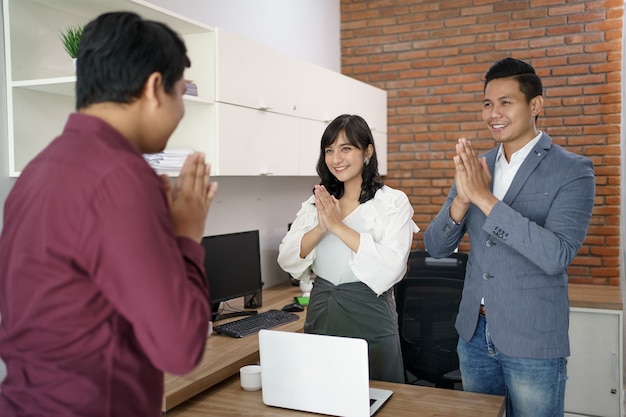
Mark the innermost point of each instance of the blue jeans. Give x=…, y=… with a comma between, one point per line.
x=532, y=387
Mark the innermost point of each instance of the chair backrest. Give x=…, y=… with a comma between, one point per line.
x=427, y=302
x=421, y=264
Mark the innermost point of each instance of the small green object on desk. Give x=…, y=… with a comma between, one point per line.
x=303, y=301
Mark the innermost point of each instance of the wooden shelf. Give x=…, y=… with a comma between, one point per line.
x=595, y=296
x=41, y=79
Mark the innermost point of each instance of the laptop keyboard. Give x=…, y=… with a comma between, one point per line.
x=255, y=323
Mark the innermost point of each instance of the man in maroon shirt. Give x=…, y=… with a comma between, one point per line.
x=102, y=287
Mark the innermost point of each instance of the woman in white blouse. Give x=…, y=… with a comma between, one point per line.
x=355, y=235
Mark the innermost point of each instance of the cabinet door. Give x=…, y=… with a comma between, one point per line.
x=323, y=93
x=368, y=102
x=371, y=103
x=197, y=130
x=380, y=141
x=309, y=139
x=594, y=385
x=254, y=142
x=252, y=75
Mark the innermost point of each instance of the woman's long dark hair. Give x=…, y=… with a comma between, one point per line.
x=359, y=134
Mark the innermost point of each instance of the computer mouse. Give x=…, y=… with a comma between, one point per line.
x=293, y=307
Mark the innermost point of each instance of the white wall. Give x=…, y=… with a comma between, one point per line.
x=268, y=204
x=308, y=29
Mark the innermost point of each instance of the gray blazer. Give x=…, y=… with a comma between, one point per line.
x=519, y=254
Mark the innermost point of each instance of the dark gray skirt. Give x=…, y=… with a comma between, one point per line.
x=354, y=310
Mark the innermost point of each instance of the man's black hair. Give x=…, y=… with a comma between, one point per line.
x=529, y=81
x=118, y=52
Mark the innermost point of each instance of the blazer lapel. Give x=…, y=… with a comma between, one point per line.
x=531, y=162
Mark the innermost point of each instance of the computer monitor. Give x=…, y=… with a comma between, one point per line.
x=233, y=268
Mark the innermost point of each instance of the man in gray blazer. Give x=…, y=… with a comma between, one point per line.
x=526, y=205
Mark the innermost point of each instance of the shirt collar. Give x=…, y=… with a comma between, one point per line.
x=522, y=153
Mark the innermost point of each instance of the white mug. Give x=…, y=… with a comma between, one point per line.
x=250, y=377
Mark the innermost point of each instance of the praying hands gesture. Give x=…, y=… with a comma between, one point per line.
x=190, y=197
x=473, y=180
x=328, y=211
x=329, y=219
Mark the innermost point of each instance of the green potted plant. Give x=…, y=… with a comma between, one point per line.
x=71, y=38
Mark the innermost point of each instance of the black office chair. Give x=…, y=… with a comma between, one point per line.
x=427, y=302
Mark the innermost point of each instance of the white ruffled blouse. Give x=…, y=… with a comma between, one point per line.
x=386, y=226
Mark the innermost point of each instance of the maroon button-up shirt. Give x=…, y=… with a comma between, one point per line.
x=97, y=296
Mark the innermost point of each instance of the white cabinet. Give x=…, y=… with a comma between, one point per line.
x=371, y=103
x=258, y=111
x=254, y=76
x=257, y=77
x=254, y=142
x=380, y=141
x=309, y=137
x=323, y=94
x=594, y=386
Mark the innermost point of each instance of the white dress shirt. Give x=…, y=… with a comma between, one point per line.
x=386, y=227
x=504, y=171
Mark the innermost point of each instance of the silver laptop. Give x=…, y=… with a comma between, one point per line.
x=319, y=374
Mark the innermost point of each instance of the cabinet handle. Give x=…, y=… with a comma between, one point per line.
x=614, y=365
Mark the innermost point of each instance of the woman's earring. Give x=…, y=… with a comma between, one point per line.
x=366, y=161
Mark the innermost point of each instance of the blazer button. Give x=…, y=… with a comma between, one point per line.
x=486, y=276
x=489, y=243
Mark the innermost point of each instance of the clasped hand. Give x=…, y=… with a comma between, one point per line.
x=328, y=210
x=190, y=197
x=472, y=177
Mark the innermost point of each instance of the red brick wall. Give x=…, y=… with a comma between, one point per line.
x=430, y=56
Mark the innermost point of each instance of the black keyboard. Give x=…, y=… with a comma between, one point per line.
x=255, y=323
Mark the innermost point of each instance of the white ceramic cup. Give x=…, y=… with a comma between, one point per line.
x=250, y=377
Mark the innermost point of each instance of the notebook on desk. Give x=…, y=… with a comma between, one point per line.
x=319, y=374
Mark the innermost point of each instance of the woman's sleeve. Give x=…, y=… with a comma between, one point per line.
x=381, y=260
x=289, y=250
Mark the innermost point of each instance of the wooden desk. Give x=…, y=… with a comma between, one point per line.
x=228, y=399
x=224, y=355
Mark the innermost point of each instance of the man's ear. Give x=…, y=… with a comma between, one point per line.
x=152, y=88
x=536, y=105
